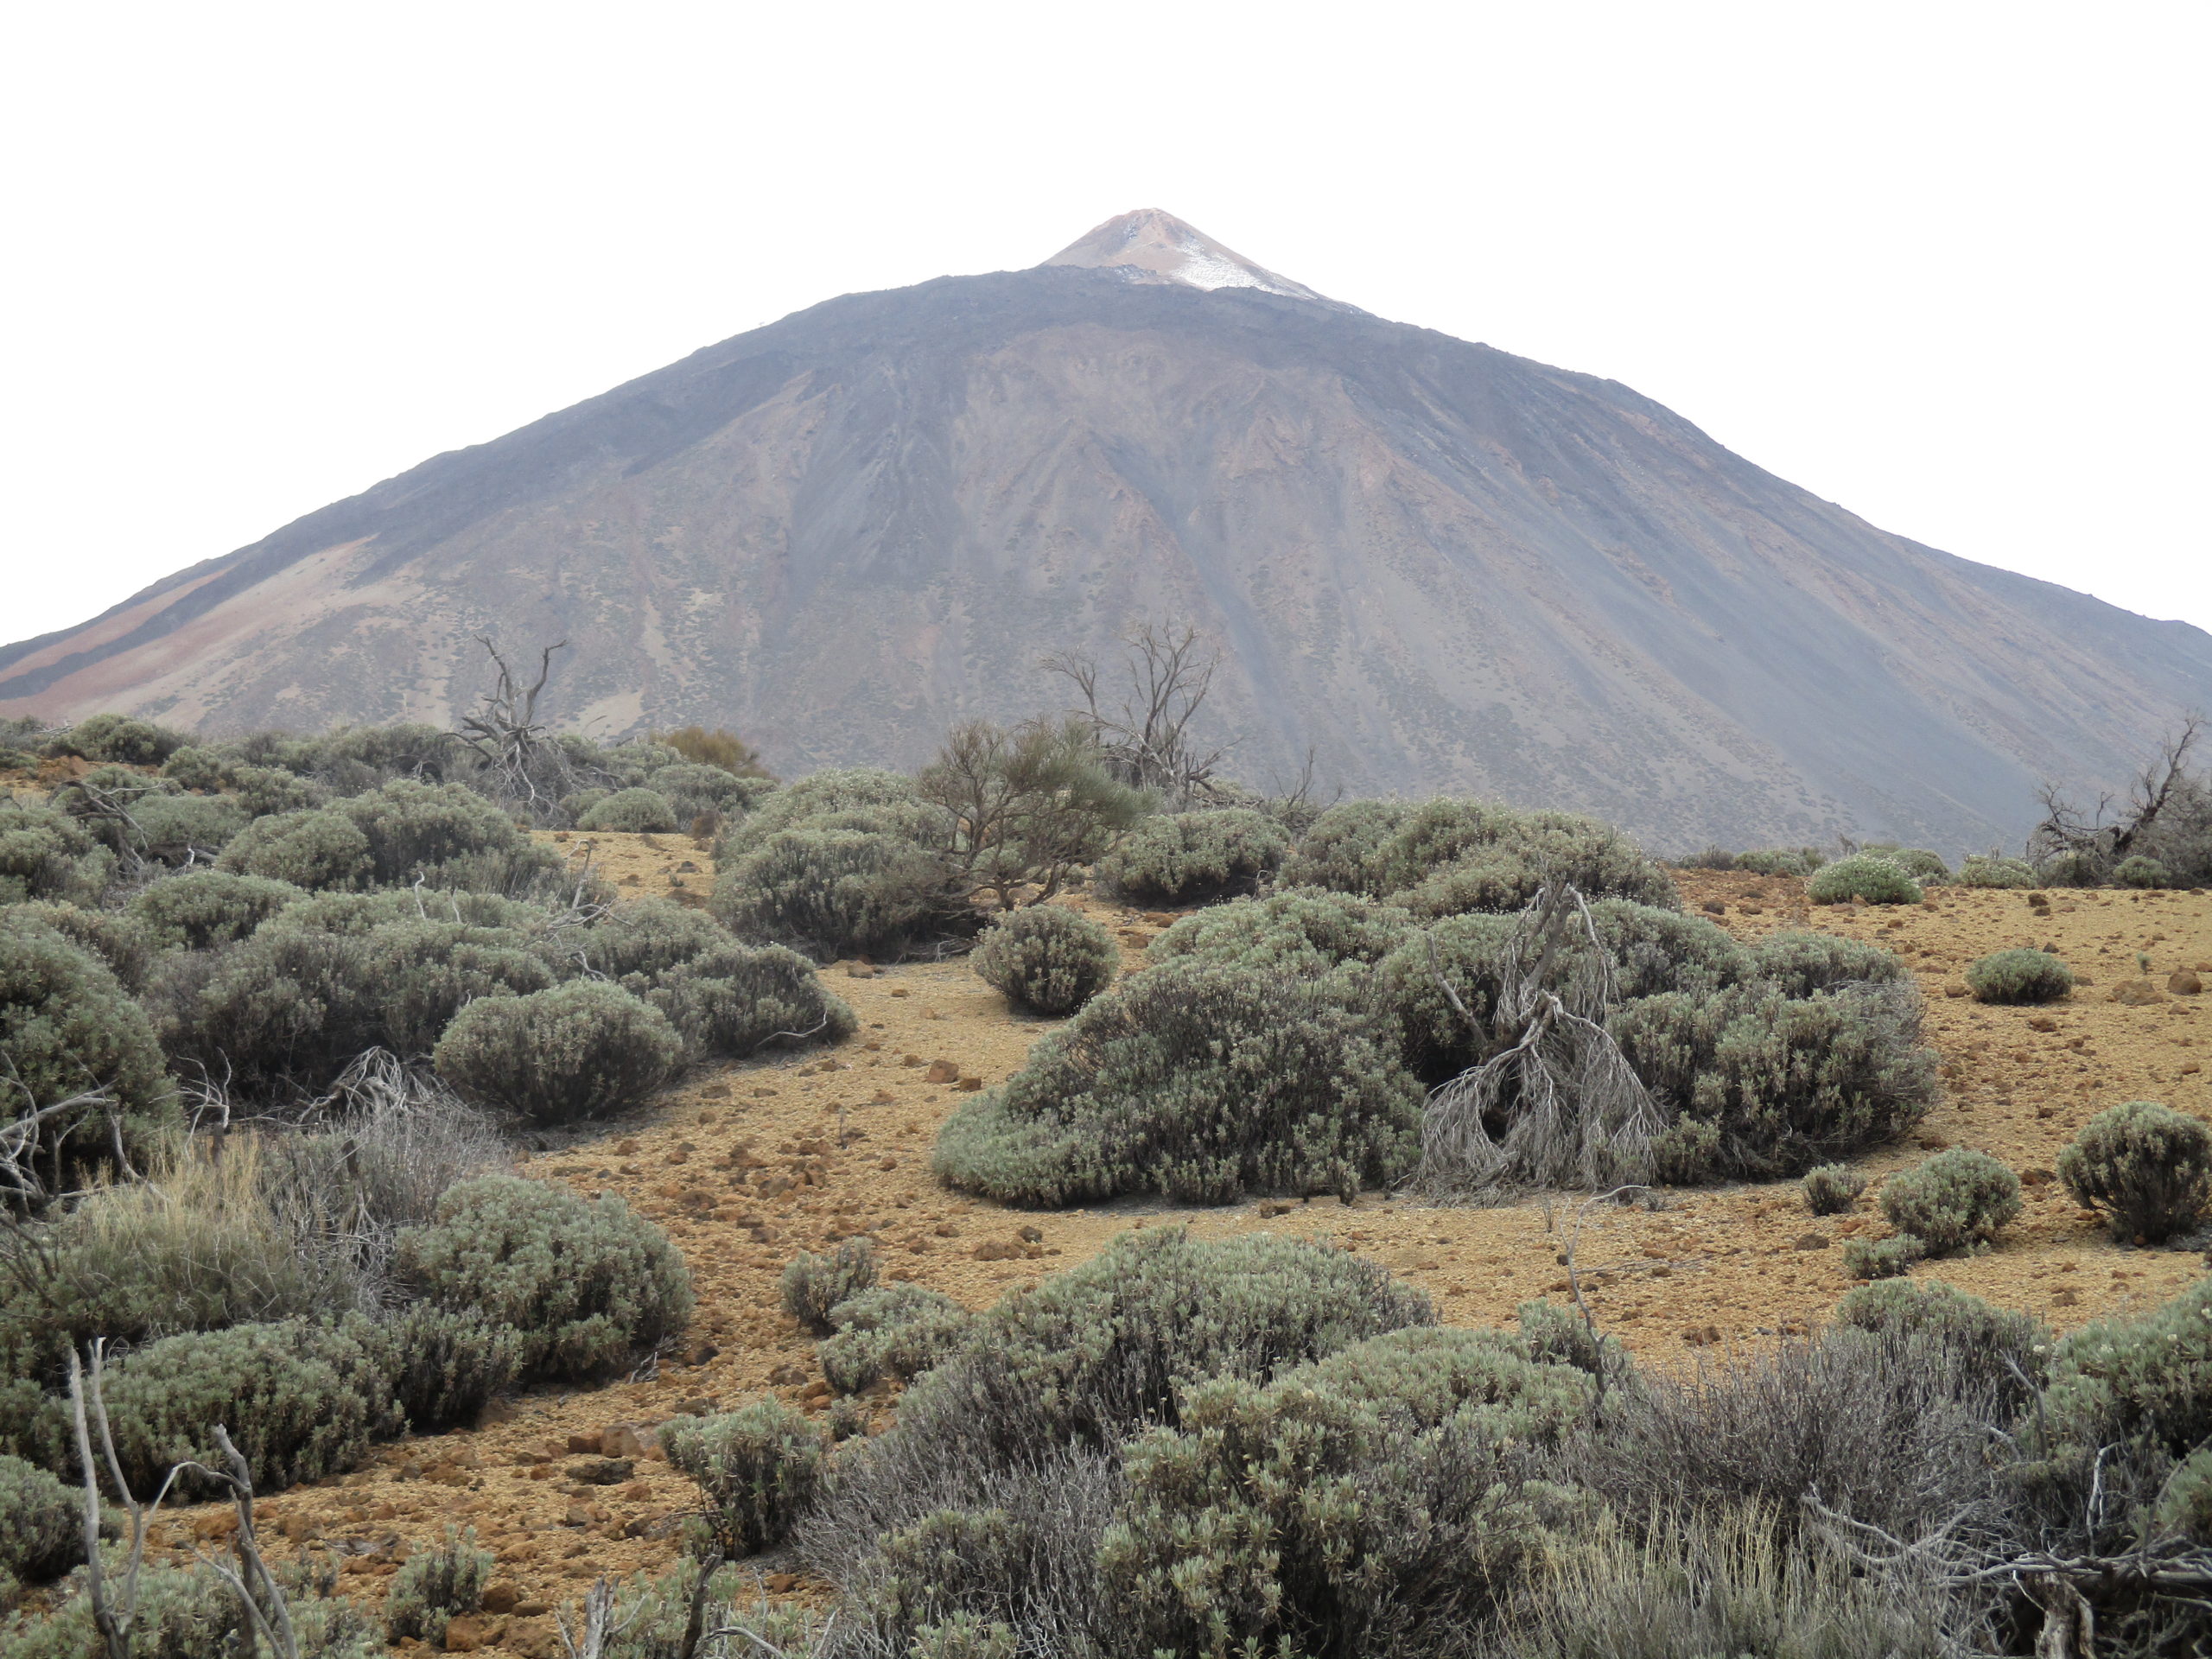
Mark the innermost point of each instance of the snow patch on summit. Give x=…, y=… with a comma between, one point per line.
x=1151, y=247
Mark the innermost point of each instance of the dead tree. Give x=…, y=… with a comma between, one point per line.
x=1553, y=1102
x=504, y=731
x=2116, y=825
x=1148, y=741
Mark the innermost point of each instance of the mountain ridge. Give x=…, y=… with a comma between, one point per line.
x=1443, y=566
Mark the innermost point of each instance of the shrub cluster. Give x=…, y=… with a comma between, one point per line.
x=118, y=739
x=1193, y=858
x=1871, y=878
x=813, y=1285
x=1991, y=870
x=202, y=909
x=759, y=1470
x=1047, y=959
x=1918, y=863
x=2146, y=1167
x=1202, y=1083
x=48, y=855
x=580, y=1050
x=1956, y=1200
x=2019, y=976
x=2140, y=871
x=891, y=1331
x=1832, y=1189
x=635, y=811
x=41, y=1523
x=434, y=1586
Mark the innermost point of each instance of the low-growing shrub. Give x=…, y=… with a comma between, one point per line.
x=48, y=855
x=302, y=1399
x=118, y=739
x=2146, y=1167
x=2073, y=869
x=892, y=1331
x=178, y=828
x=1987, y=1349
x=838, y=797
x=2137, y=871
x=1342, y=849
x=1882, y=1258
x=202, y=909
x=691, y=789
x=1305, y=931
x=1451, y=857
x=1047, y=959
x=120, y=941
x=812, y=1285
x=1832, y=1189
x=633, y=811
x=434, y=1586
x=316, y=848
x=1867, y=877
x=1200, y=1082
x=41, y=1522
x=580, y=1050
x=1989, y=870
x=2184, y=1506
x=1193, y=858
x=1781, y=860
x=2144, y=1384
x=1918, y=863
x=1764, y=1085
x=586, y=1283
x=833, y=893
x=444, y=1367
x=1800, y=964
x=68, y=1030
x=416, y=829
x=760, y=1469
x=2019, y=976
x=1954, y=1201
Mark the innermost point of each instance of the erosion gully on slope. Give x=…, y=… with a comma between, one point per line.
x=749, y=1164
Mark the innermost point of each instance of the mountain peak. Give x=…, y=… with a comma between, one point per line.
x=1151, y=247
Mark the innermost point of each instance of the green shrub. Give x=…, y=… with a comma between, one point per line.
x=1342, y=848
x=581, y=1049
x=118, y=739
x=1449, y=857
x=894, y=1331
x=202, y=909
x=1193, y=858
x=1989, y=870
x=1046, y=959
x=835, y=891
x=1954, y=1201
x=1766, y=1085
x=585, y=1283
x=67, y=1030
x=444, y=1366
x=2184, y=1506
x=693, y=789
x=1882, y=1258
x=318, y=850
x=2074, y=869
x=1799, y=965
x=1918, y=862
x=301, y=1399
x=119, y=940
x=177, y=829
x=759, y=1470
x=1654, y=950
x=1439, y=1041
x=1201, y=1083
x=812, y=1285
x=2019, y=976
x=1867, y=877
x=1374, y=1502
x=434, y=1586
x=2144, y=1384
x=423, y=973
x=47, y=855
x=1832, y=1189
x=41, y=1523
x=419, y=829
x=649, y=937
x=2140, y=871
x=735, y=1001
x=1094, y=1353
x=839, y=797
x=2148, y=1168
x=1990, y=1349
x=1782, y=861
x=1305, y=931
x=633, y=811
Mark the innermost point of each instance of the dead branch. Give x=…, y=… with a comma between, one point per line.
x=2108, y=829
x=504, y=731
x=1148, y=741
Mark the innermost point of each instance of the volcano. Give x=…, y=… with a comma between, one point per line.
x=1434, y=565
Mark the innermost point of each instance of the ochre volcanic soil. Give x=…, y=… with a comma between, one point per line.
x=749, y=1164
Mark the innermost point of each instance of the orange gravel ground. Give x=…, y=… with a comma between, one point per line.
x=748, y=1163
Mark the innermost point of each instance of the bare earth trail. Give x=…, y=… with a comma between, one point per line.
x=747, y=1165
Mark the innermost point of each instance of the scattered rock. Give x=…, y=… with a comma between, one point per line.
x=1957, y=988
x=2183, y=981
x=970, y=1083
x=860, y=970
x=501, y=1596
x=1811, y=1242
x=1714, y=907
x=942, y=1071
x=1701, y=1336
x=621, y=1441
x=898, y=990
x=2137, y=993
x=1031, y=1235
x=586, y=1443
x=2043, y=1022
x=787, y=1376
x=602, y=1472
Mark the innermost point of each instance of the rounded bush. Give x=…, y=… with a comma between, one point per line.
x=2143, y=1381
x=2140, y=871
x=444, y=1367
x=1451, y=857
x=2147, y=1167
x=759, y=1470
x=41, y=1523
x=2019, y=976
x=433, y=1587
x=894, y=1331
x=1882, y=1258
x=863, y=797
x=1200, y=1082
x=1341, y=849
x=176, y=828
x=1989, y=1347
x=67, y=1029
x=1192, y=858
x=1867, y=877
x=1049, y=960
x=812, y=1285
x=1781, y=860
x=118, y=739
x=632, y=812
x=734, y=1002
x=585, y=1283
x=414, y=828
x=578, y=1050
x=1799, y=965
x=318, y=850
x=2075, y=870
x=1832, y=1189
x=692, y=789
x=1918, y=862
x=1989, y=870
x=48, y=855
x=1305, y=931
x=201, y=909
x=1954, y=1201
x=119, y=940
x=835, y=892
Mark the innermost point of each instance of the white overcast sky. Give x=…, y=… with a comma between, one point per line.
x=1941, y=263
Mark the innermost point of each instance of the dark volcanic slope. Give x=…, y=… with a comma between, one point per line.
x=1442, y=566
